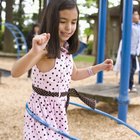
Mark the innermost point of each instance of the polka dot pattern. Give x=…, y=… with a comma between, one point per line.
x=51, y=109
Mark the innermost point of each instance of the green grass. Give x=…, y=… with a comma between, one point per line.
x=3, y=28
x=84, y=58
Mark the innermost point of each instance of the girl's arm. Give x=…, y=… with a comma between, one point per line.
x=32, y=57
x=79, y=74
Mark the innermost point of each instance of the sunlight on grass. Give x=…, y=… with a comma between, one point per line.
x=84, y=58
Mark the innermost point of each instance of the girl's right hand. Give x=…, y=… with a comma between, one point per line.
x=39, y=43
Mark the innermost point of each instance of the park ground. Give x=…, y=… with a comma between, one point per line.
x=83, y=124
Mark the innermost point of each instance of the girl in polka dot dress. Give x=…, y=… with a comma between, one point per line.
x=52, y=69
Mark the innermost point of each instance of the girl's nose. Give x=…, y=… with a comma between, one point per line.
x=68, y=27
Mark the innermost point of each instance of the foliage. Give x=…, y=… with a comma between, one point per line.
x=2, y=37
x=85, y=58
x=1, y=40
x=19, y=17
x=88, y=31
x=89, y=4
x=89, y=48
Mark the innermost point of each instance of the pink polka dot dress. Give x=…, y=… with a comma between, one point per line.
x=51, y=109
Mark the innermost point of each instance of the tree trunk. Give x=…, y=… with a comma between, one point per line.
x=20, y=13
x=46, y=2
x=109, y=37
x=40, y=10
x=0, y=13
x=95, y=42
x=8, y=39
x=139, y=6
x=121, y=17
x=42, y=7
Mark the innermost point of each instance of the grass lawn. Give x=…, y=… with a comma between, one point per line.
x=84, y=58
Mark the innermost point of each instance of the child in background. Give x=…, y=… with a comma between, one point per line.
x=31, y=35
x=134, y=51
x=53, y=68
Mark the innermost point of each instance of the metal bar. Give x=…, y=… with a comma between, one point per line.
x=101, y=36
x=16, y=33
x=123, y=99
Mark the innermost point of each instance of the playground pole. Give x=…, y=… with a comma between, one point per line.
x=101, y=36
x=123, y=99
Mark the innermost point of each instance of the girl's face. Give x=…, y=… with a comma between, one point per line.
x=67, y=24
x=36, y=30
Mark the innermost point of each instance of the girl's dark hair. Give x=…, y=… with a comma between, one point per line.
x=33, y=27
x=135, y=10
x=50, y=24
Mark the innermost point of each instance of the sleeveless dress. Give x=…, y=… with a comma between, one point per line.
x=51, y=109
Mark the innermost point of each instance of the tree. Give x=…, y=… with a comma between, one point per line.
x=84, y=16
x=8, y=39
x=109, y=50
x=19, y=15
x=42, y=6
x=0, y=12
x=93, y=27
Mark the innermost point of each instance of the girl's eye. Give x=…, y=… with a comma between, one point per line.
x=62, y=21
x=73, y=22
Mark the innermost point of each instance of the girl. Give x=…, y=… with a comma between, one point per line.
x=53, y=69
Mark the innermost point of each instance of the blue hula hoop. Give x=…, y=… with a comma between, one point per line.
x=34, y=116
x=107, y=115
x=84, y=107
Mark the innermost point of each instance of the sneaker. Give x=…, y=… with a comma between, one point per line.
x=134, y=86
x=132, y=90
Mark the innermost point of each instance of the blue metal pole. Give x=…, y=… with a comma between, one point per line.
x=101, y=36
x=123, y=99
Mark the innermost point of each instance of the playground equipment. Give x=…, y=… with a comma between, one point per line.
x=20, y=42
x=18, y=37
x=5, y=73
x=82, y=47
x=123, y=98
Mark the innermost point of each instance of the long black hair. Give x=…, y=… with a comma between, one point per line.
x=50, y=24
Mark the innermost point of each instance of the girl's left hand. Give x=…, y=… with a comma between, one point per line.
x=108, y=64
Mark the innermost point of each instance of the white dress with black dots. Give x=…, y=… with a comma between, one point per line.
x=50, y=109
